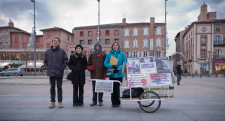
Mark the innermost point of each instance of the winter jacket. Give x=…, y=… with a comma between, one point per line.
x=55, y=61
x=98, y=62
x=179, y=70
x=79, y=74
x=121, y=59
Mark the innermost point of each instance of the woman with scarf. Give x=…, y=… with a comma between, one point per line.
x=78, y=64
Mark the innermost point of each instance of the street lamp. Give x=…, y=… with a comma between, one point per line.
x=98, y=19
x=165, y=32
x=34, y=41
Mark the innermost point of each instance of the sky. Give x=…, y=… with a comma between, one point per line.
x=68, y=14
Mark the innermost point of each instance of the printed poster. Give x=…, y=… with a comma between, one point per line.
x=105, y=86
x=137, y=80
x=159, y=79
x=133, y=66
x=147, y=65
x=163, y=66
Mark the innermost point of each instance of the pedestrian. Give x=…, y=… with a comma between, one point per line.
x=179, y=73
x=78, y=64
x=96, y=66
x=117, y=74
x=55, y=62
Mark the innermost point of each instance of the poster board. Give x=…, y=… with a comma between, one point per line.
x=105, y=86
x=143, y=72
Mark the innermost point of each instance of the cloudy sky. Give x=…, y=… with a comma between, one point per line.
x=68, y=14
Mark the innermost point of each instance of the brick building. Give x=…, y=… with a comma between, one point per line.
x=136, y=39
x=204, y=44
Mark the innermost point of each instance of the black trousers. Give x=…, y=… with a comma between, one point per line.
x=115, y=96
x=59, y=88
x=78, y=99
x=95, y=94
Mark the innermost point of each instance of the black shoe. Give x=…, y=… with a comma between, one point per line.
x=75, y=105
x=100, y=103
x=113, y=105
x=117, y=105
x=178, y=84
x=81, y=105
x=93, y=104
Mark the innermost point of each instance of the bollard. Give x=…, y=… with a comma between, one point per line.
x=223, y=75
x=193, y=75
x=200, y=75
x=216, y=74
x=208, y=75
x=185, y=75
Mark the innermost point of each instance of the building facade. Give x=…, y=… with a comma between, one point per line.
x=204, y=44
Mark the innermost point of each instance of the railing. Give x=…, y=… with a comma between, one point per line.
x=219, y=56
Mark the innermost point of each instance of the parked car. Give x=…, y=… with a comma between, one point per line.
x=12, y=72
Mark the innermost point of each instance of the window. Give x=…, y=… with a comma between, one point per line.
x=89, y=42
x=116, y=32
x=203, y=53
x=126, y=44
x=107, y=32
x=107, y=41
x=134, y=54
x=145, y=31
x=0, y=41
x=117, y=40
x=158, y=42
x=135, y=44
x=135, y=32
x=126, y=32
x=203, y=40
x=89, y=33
x=145, y=54
x=158, y=54
x=218, y=53
x=68, y=37
x=81, y=42
x=6, y=41
x=81, y=33
x=145, y=43
x=218, y=39
x=0, y=31
x=6, y=31
x=217, y=27
x=126, y=54
x=158, y=30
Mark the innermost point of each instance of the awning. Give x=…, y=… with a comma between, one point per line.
x=31, y=65
x=3, y=64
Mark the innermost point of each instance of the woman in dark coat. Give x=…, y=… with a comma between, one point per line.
x=78, y=60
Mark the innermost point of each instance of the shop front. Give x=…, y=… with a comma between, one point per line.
x=220, y=66
x=203, y=68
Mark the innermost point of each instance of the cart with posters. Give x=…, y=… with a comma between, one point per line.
x=147, y=73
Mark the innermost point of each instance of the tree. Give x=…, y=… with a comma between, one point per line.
x=185, y=71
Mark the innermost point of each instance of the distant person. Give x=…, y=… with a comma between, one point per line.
x=96, y=66
x=179, y=73
x=117, y=74
x=55, y=62
x=78, y=63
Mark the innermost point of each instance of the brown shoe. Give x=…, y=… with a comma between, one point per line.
x=52, y=105
x=60, y=105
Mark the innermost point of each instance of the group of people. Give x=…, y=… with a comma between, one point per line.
x=56, y=60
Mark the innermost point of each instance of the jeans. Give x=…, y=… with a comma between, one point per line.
x=77, y=100
x=59, y=88
x=115, y=96
x=178, y=78
x=95, y=94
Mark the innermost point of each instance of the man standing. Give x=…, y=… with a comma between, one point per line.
x=55, y=62
x=96, y=66
x=178, y=73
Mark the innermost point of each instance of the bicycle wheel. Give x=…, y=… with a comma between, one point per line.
x=149, y=106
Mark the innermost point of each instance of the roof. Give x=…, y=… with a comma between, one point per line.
x=207, y=21
x=19, y=32
x=115, y=25
x=55, y=28
x=11, y=27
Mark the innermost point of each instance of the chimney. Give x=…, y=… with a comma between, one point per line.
x=10, y=23
x=188, y=26
x=152, y=22
x=185, y=28
x=124, y=21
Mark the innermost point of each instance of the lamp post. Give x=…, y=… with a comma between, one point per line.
x=98, y=19
x=34, y=41
x=165, y=32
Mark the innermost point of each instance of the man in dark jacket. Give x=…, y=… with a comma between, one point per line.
x=96, y=66
x=55, y=62
x=179, y=73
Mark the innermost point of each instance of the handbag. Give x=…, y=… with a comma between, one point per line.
x=70, y=75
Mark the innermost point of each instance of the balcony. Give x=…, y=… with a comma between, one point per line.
x=219, y=44
x=203, y=44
